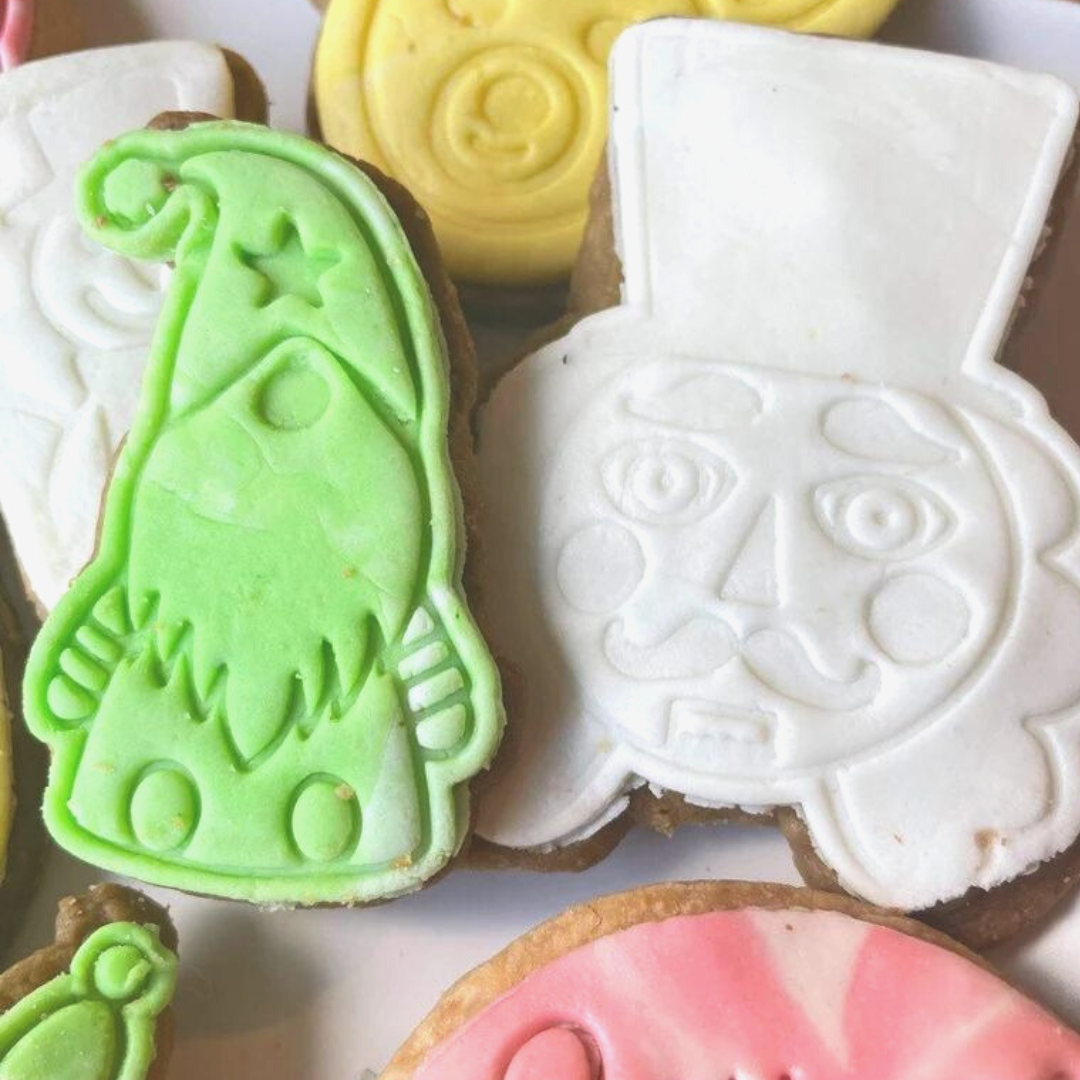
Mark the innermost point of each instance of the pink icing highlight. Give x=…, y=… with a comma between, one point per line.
x=757, y=995
x=16, y=27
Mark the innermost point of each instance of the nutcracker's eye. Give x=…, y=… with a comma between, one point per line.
x=561, y=1053
x=666, y=482
x=882, y=517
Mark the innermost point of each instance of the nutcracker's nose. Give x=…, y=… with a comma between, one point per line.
x=753, y=576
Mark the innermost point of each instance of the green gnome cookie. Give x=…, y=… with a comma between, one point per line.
x=267, y=685
x=97, y=1022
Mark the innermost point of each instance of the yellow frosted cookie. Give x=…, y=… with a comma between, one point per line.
x=493, y=112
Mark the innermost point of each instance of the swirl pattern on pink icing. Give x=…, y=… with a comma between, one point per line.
x=16, y=26
x=759, y=995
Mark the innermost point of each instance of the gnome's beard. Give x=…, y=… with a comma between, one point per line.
x=778, y=659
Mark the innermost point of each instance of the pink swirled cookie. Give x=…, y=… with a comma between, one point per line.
x=16, y=27
x=711, y=981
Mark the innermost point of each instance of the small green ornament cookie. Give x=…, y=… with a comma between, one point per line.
x=267, y=685
x=98, y=1021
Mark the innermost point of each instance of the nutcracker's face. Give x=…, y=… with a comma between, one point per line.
x=755, y=571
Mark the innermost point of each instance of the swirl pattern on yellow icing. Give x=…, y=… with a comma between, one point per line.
x=493, y=112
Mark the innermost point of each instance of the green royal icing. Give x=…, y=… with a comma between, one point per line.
x=96, y=1022
x=267, y=685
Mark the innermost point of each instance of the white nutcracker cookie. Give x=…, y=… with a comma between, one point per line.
x=778, y=531
x=75, y=320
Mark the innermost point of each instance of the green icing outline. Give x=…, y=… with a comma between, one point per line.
x=133, y=1011
x=179, y=216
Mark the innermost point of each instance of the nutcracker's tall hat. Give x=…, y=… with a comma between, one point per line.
x=823, y=228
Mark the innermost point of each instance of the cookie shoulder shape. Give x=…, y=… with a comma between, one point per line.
x=494, y=112
x=792, y=537
x=97, y=1022
x=267, y=685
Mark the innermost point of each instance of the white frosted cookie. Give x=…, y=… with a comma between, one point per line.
x=778, y=531
x=75, y=320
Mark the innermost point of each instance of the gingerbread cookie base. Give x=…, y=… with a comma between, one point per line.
x=508, y=306
x=26, y=843
x=57, y=27
x=249, y=94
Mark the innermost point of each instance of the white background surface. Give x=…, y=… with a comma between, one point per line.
x=327, y=994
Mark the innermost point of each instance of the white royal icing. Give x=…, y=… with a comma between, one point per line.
x=75, y=320
x=778, y=531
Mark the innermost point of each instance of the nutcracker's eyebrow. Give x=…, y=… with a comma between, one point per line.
x=706, y=401
x=876, y=430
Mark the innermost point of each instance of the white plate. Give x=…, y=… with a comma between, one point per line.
x=324, y=995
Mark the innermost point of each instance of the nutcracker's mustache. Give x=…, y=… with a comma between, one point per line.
x=777, y=658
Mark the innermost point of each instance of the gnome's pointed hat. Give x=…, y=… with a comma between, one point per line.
x=864, y=211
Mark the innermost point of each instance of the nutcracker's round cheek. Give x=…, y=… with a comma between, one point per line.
x=918, y=618
x=599, y=568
